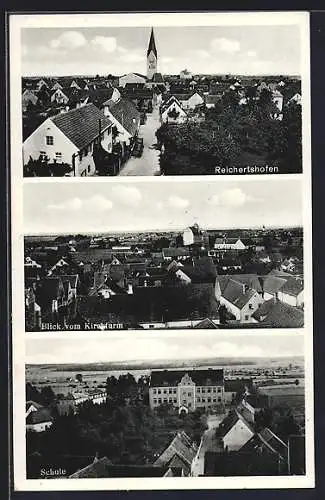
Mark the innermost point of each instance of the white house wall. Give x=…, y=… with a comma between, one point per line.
x=238, y=435
x=36, y=143
x=130, y=78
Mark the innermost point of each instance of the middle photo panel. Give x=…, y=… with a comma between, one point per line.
x=170, y=255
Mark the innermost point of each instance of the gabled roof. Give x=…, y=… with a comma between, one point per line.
x=100, y=96
x=228, y=422
x=273, y=284
x=206, y=323
x=152, y=44
x=209, y=377
x=273, y=442
x=293, y=286
x=81, y=125
x=38, y=406
x=103, y=467
x=181, y=447
x=279, y=315
x=126, y=114
x=71, y=278
x=235, y=294
x=38, y=417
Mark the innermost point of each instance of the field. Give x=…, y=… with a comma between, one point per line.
x=62, y=378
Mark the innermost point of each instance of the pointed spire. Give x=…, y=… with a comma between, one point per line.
x=152, y=44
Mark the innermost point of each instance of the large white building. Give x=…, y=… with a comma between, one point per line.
x=187, y=390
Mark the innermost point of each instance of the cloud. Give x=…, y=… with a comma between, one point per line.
x=96, y=202
x=201, y=54
x=230, y=349
x=251, y=53
x=233, y=197
x=74, y=204
x=177, y=202
x=69, y=40
x=132, y=57
x=108, y=43
x=122, y=50
x=166, y=60
x=128, y=195
x=225, y=45
x=214, y=200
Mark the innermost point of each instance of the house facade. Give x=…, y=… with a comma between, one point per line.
x=229, y=244
x=188, y=390
x=70, y=138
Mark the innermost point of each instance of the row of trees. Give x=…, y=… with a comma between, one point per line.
x=123, y=429
x=234, y=135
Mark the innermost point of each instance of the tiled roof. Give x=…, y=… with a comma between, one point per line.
x=235, y=294
x=206, y=323
x=33, y=403
x=176, y=252
x=171, y=378
x=104, y=468
x=237, y=385
x=38, y=417
x=273, y=442
x=293, y=286
x=81, y=125
x=127, y=114
x=273, y=284
x=280, y=315
x=99, y=96
x=228, y=423
x=182, y=447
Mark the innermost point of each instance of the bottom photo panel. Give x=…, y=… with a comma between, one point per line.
x=166, y=406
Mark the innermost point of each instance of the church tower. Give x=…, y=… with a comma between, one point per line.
x=151, y=56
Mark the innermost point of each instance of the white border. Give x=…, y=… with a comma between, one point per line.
x=163, y=19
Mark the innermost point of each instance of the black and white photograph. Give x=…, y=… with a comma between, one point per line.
x=162, y=100
x=162, y=309
x=195, y=255
x=213, y=407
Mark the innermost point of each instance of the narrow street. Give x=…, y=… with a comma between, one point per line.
x=209, y=442
x=148, y=163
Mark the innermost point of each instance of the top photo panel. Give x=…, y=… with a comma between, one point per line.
x=163, y=99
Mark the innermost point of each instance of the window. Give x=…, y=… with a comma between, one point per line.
x=189, y=405
x=219, y=389
x=155, y=401
x=165, y=400
x=58, y=156
x=203, y=390
x=159, y=391
x=203, y=400
x=219, y=399
x=154, y=391
x=250, y=306
x=209, y=400
x=174, y=391
x=170, y=391
x=42, y=155
x=198, y=389
x=175, y=400
x=165, y=391
x=199, y=400
x=214, y=400
x=159, y=400
x=214, y=389
x=189, y=394
x=246, y=317
x=49, y=140
x=209, y=389
x=88, y=169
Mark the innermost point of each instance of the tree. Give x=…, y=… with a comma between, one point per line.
x=79, y=377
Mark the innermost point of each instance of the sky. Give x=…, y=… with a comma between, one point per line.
x=96, y=206
x=111, y=349
x=73, y=50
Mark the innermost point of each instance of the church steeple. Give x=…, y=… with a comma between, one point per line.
x=152, y=56
x=152, y=44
